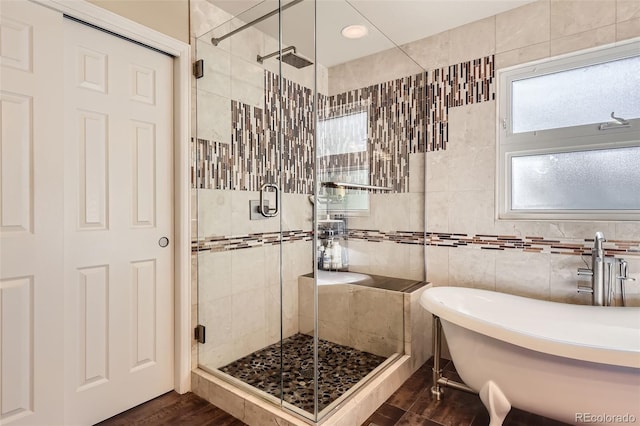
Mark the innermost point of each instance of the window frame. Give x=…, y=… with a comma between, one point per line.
x=562, y=140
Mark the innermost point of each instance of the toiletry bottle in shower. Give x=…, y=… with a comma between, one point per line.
x=345, y=258
x=336, y=257
x=326, y=259
x=321, y=257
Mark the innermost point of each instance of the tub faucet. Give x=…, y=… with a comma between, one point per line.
x=597, y=266
x=623, y=275
x=596, y=272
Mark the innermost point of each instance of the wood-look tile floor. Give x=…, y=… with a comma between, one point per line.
x=173, y=409
x=411, y=405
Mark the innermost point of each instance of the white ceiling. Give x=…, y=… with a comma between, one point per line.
x=390, y=22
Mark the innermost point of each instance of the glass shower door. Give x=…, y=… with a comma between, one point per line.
x=238, y=253
x=252, y=179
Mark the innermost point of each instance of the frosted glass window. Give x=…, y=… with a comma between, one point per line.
x=607, y=179
x=343, y=134
x=579, y=96
x=343, y=157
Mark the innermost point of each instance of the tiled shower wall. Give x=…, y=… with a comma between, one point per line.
x=254, y=155
x=467, y=246
x=236, y=279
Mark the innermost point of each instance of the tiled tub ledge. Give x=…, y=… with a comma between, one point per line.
x=402, y=285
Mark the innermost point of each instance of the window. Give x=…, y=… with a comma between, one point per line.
x=569, y=137
x=343, y=156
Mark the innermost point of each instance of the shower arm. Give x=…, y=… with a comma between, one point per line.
x=261, y=59
x=216, y=40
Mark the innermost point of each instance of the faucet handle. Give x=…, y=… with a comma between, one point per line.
x=585, y=271
x=624, y=271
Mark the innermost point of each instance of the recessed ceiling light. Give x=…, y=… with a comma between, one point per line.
x=354, y=31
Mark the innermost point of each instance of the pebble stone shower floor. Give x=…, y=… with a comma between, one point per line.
x=339, y=368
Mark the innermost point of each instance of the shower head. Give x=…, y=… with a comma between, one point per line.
x=290, y=58
x=295, y=60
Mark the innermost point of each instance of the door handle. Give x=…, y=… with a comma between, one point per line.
x=264, y=210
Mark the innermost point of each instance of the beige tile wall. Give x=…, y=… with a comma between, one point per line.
x=464, y=175
x=369, y=70
x=392, y=212
x=534, y=31
x=238, y=291
x=418, y=329
x=386, y=258
x=461, y=180
x=364, y=318
x=548, y=28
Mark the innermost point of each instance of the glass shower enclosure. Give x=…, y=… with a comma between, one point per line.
x=282, y=165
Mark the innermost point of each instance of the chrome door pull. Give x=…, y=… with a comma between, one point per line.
x=265, y=210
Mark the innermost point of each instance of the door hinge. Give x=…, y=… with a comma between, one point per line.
x=504, y=123
x=198, y=68
x=198, y=333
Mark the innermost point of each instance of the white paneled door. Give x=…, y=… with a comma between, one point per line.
x=86, y=220
x=31, y=215
x=118, y=224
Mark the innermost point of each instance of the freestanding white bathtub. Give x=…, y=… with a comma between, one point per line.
x=576, y=364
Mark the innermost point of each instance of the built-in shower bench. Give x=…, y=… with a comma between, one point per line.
x=372, y=313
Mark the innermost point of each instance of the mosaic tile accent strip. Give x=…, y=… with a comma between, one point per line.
x=339, y=369
x=498, y=242
x=410, y=114
x=348, y=161
x=295, y=102
x=453, y=86
x=254, y=156
x=406, y=115
x=209, y=164
x=244, y=163
x=441, y=239
x=237, y=242
x=249, y=148
x=400, y=237
x=396, y=122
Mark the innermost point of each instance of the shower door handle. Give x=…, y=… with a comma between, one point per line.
x=265, y=210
